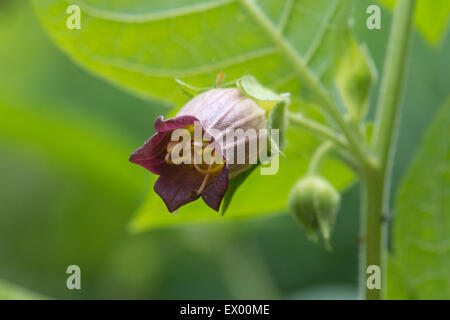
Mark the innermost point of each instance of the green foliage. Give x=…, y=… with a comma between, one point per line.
x=431, y=17
x=233, y=186
x=398, y=289
x=59, y=209
x=144, y=45
x=422, y=220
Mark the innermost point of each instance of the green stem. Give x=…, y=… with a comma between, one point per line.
x=302, y=70
x=375, y=200
x=371, y=233
x=392, y=82
x=316, y=161
x=318, y=129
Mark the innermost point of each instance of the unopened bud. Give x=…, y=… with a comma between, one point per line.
x=314, y=202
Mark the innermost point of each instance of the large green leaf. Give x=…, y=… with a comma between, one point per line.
x=431, y=17
x=143, y=45
x=422, y=221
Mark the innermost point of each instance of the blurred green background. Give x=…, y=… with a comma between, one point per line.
x=68, y=192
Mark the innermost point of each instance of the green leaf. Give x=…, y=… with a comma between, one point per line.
x=431, y=17
x=355, y=76
x=422, y=221
x=233, y=185
x=397, y=289
x=143, y=45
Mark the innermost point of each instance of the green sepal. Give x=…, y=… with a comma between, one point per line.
x=188, y=90
x=277, y=120
x=266, y=98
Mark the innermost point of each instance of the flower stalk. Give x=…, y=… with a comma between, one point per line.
x=376, y=177
x=315, y=163
x=318, y=129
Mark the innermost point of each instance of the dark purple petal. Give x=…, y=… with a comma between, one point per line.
x=214, y=193
x=176, y=185
x=151, y=154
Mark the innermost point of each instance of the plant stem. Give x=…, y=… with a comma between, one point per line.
x=371, y=233
x=318, y=129
x=392, y=82
x=315, y=163
x=312, y=82
x=375, y=197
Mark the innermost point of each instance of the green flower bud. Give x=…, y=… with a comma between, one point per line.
x=314, y=202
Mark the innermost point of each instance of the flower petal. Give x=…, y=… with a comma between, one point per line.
x=162, y=125
x=176, y=185
x=214, y=193
x=151, y=154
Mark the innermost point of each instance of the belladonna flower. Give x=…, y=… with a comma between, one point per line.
x=215, y=113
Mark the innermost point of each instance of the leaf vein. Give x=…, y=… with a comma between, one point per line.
x=321, y=33
x=287, y=9
x=183, y=72
x=149, y=17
